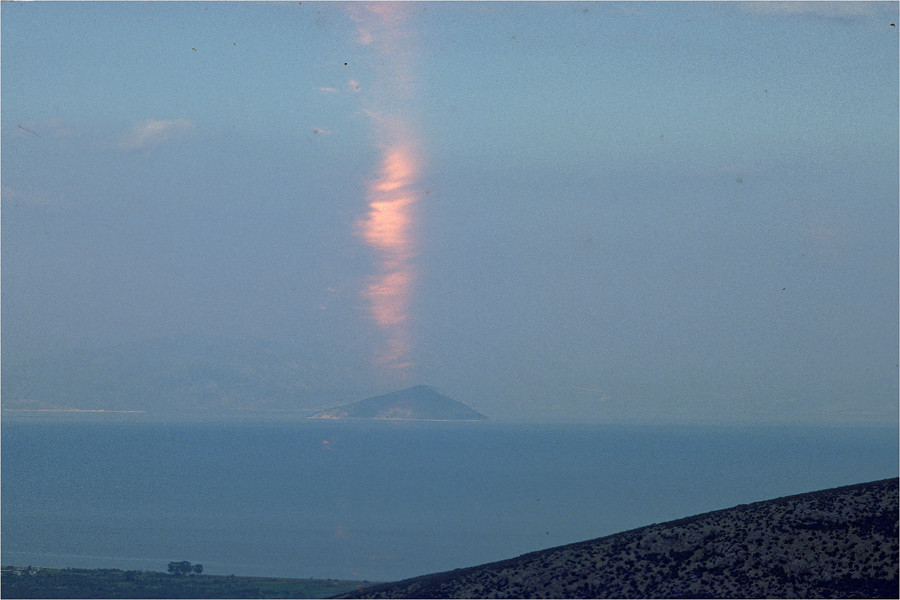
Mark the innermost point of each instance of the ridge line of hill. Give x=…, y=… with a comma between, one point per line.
x=849, y=549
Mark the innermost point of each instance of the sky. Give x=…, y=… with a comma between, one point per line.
x=652, y=212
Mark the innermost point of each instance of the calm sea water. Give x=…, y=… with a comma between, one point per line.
x=384, y=501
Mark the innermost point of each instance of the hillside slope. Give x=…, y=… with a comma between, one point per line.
x=836, y=543
x=419, y=403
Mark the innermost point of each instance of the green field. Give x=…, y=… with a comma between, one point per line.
x=18, y=582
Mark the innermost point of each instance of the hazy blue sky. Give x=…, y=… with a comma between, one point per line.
x=638, y=211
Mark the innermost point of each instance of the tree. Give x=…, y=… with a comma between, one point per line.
x=198, y=569
x=181, y=568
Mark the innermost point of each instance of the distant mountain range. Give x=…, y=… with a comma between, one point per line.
x=175, y=377
x=836, y=543
x=206, y=378
x=419, y=403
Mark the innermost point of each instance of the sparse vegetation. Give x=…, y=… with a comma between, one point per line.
x=838, y=543
x=34, y=582
x=184, y=568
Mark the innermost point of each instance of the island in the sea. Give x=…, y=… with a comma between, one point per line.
x=419, y=403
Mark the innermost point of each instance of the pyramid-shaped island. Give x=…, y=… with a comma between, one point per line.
x=419, y=403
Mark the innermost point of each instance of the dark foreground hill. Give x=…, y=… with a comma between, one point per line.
x=421, y=403
x=837, y=543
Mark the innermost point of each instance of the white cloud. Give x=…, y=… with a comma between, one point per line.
x=14, y=196
x=154, y=132
x=327, y=90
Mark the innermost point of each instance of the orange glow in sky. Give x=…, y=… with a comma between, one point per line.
x=390, y=223
x=388, y=228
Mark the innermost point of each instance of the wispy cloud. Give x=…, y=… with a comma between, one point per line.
x=327, y=90
x=14, y=196
x=599, y=394
x=155, y=132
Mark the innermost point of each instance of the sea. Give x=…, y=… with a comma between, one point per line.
x=382, y=501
